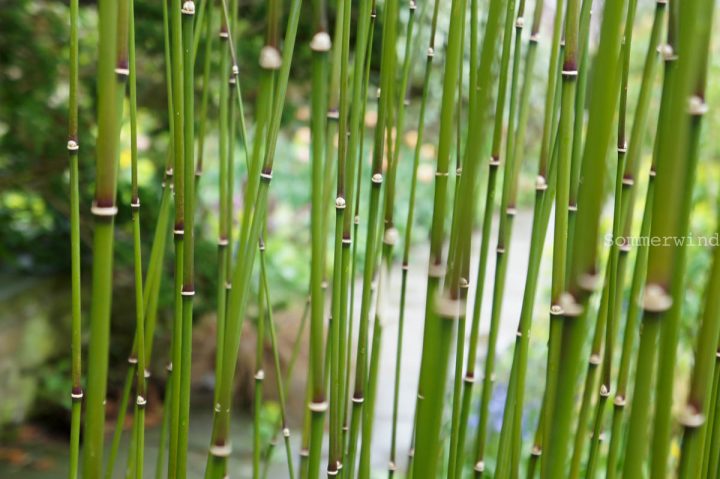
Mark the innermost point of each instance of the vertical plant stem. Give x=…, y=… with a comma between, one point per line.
x=320, y=46
x=104, y=210
x=76, y=393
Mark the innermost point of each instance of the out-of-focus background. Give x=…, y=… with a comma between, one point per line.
x=34, y=225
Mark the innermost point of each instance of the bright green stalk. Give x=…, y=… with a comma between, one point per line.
x=387, y=77
x=76, y=392
x=104, y=211
x=713, y=434
x=337, y=336
x=571, y=306
x=360, y=82
x=337, y=111
x=555, y=437
x=693, y=22
x=627, y=205
x=507, y=214
x=188, y=286
x=630, y=333
x=373, y=372
x=237, y=300
x=409, y=50
x=507, y=456
x=320, y=46
x=664, y=285
x=209, y=37
x=140, y=389
x=276, y=363
x=259, y=372
x=223, y=233
x=693, y=416
x=178, y=231
x=615, y=268
x=433, y=368
x=579, y=123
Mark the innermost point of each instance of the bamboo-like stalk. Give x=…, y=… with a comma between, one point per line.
x=507, y=212
x=554, y=465
x=104, y=210
x=615, y=270
x=407, y=240
x=177, y=58
x=570, y=305
x=207, y=63
x=259, y=372
x=267, y=128
x=359, y=416
x=355, y=154
x=436, y=335
x=320, y=46
x=693, y=417
x=76, y=393
x=627, y=206
x=710, y=460
x=508, y=454
x=664, y=284
x=188, y=285
x=276, y=364
x=337, y=335
x=140, y=388
x=692, y=23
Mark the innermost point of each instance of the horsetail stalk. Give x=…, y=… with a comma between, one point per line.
x=76, y=393
x=692, y=23
x=693, y=416
x=507, y=457
x=360, y=85
x=392, y=464
x=553, y=467
x=267, y=128
x=177, y=78
x=506, y=217
x=616, y=262
x=141, y=394
x=320, y=46
x=435, y=350
x=627, y=206
x=387, y=77
x=276, y=364
x=259, y=372
x=583, y=273
x=104, y=210
x=207, y=62
x=663, y=290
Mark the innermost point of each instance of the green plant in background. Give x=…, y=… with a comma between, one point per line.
x=573, y=162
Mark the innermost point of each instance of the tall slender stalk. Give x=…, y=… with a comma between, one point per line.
x=436, y=335
x=353, y=182
x=259, y=372
x=615, y=267
x=76, y=393
x=409, y=54
x=276, y=364
x=693, y=418
x=507, y=213
x=627, y=201
x=570, y=305
x=268, y=124
x=320, y=46
x=662, y=298
x=360, y=415
x=140, y=388
x=104, y=210
x=691, y=36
